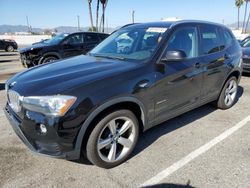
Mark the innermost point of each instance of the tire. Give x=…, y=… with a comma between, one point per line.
x=10, y=48
x=228, y=94
x=49, y=59
x=104, y=147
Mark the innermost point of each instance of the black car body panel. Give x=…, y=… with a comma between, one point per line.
x=4, y=43
x=158, y=89
x=246, y=59
x=36, y=54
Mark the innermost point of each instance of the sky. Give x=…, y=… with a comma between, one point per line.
x=53, y=13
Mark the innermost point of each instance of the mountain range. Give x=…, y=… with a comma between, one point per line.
x=60, y=29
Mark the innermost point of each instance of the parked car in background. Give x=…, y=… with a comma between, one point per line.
x=8, y=45
x=96, y=105
x=246, y=56
x=59, y=47
x=242, y=42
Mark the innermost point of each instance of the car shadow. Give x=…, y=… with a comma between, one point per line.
x=169, y=185
x=150, y=136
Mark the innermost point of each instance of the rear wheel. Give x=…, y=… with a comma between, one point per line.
x=10, y=48
x=228, y=94
x=49, y=59
x=113, y=139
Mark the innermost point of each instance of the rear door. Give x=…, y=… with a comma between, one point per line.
x=73, y=45
x=90, y=41
x=213, y=57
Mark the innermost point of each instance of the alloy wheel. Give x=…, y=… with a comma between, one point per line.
x=116, y=139
x=230, y=93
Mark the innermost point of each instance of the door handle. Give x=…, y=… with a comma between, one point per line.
x=197, y=65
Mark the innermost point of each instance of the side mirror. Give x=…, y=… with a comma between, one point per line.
x=176, y=55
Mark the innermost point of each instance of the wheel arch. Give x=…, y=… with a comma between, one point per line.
x=129, y=103
x=49, y=54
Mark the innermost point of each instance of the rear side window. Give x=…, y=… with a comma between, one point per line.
x=211, y=41
x=91, y=38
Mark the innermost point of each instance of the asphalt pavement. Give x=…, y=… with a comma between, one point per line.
x=206, y=147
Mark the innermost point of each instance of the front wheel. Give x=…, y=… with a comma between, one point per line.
x=228, y=94
x=113, y=139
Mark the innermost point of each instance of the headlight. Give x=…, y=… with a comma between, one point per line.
x=56, y=105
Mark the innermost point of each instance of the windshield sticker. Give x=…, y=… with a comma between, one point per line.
x=157, y=29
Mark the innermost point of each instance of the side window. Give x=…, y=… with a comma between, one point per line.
x=228, y=37
x=210, y=40
x=74, y=39
x=184, y=39
x=91, y=38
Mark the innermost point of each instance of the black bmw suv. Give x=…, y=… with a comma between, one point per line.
x=61, y=46
x=99, y=103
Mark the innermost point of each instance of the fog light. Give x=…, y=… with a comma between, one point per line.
x=43, y=129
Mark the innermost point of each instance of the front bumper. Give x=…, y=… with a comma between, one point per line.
x=37, y=143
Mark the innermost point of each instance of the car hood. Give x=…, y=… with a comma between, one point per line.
x=34, y=47
x=57, y=77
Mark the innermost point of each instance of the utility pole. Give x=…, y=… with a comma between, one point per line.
x=28, y=25
x=78, y=22
x=133, y=16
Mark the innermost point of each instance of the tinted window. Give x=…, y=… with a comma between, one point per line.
x=184, y=39
x=75, y=39
x=210, y=40
x=227, y=37
x=91, y=37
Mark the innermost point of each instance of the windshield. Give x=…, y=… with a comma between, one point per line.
x=246, y=44
x=136, y=44
x=56, y=39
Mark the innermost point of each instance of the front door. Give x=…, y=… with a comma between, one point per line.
x=72, y=45
x=179, y=87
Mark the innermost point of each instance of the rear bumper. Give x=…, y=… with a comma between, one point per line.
x=48, y=148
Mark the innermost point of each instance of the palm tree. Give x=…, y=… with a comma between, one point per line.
x=245, y=14
x=90, y=14
x=238, y=4
x=97, y=14
x=104, y=5
x=246, y=27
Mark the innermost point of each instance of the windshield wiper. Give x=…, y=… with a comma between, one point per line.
x=109, y=57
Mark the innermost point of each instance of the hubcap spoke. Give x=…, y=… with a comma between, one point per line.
x=233, y=90
x=112, y=127
x=125, y=127
x=230, y=100
x=125, y=142
x=112, y=152
x=104, y=143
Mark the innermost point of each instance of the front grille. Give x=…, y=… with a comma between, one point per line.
x=14, y=100
x=246, y=61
